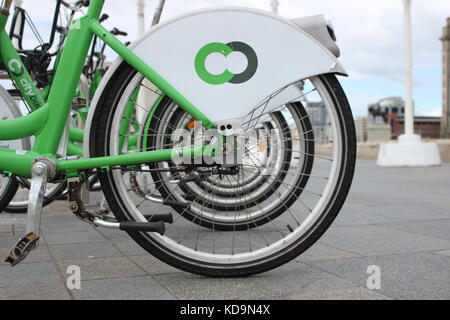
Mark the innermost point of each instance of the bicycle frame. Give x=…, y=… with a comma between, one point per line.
x=48, y=122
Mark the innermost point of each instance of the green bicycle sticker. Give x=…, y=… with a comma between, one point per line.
x=225, y=50
x=15, y=67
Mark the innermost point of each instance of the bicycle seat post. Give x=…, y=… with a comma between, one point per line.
x=42, y=171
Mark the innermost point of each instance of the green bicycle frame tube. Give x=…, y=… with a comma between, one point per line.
x=125, y=160
x=48, y=122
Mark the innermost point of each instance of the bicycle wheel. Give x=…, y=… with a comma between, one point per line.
x=304, y=208
x=226, y=195
x=8, y=188
x=9, y=110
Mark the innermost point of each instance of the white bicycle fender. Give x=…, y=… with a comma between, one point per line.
x=227, y=60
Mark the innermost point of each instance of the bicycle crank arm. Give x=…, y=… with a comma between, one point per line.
x=43, y=170
x=132, y=226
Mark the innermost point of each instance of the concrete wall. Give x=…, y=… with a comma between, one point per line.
x=380, y=132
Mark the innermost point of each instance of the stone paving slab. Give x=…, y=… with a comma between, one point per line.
x=73, y=237
x=404, y=276
x=129, y=248
x=352, y=294
x=295, y=278
x=41, y=273
x=101, y=249
x=64, y=224
x=321, y=252
x=413, y=212
x=439, y=229
x=190, y=287
x=35, y=292
x=130, y=288
x=363, y=216
x=103, y=268
x=113, y=235
x=445, y=253
x=375, y=240
x=151, y=265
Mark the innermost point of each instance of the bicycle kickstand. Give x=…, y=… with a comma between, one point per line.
x=42, y=170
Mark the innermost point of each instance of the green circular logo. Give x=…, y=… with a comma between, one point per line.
x=225, y=50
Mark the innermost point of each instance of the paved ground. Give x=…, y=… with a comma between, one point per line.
x=396, y=219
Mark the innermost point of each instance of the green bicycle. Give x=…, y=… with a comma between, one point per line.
x=251, y=141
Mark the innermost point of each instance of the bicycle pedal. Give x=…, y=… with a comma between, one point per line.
x=21, y=250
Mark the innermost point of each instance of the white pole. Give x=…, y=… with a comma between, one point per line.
x=143, y=96
x=275, y=5
x=141, y=16
x=409, y=104
x=410, y=151
x=18, y=3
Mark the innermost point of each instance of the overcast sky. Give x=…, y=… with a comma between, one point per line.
x=369, y=34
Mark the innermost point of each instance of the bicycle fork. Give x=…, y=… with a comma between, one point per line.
x=42, y=171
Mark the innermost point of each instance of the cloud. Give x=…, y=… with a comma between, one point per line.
x=370, y=32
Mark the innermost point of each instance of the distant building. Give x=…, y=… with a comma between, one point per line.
x=379, y=118
x=386, y=120
x=318, y=115
x=361, y=129
x=427, y=127
x=380, y=112
x=445, y=123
